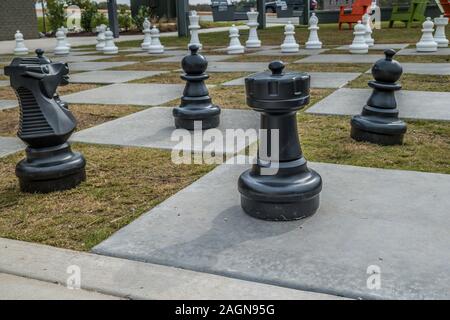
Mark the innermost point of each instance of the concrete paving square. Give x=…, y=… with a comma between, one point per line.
x=277, y=52
x=380, y=46
x=341, y=58
x=111, y=76
x=412, y=104
x=210, y=58
x=398, y=229
x=93, y=66
x=142, y=94
x=413, y=52
x=154, y=127
x=318, y=79
x=10, y=145
x=237, y=66
x=4, y=83
x=7, y=104
x=80, y=58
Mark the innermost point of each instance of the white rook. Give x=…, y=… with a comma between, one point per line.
x=253, y=40
x=439, y=34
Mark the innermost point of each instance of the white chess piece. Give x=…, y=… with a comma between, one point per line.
x=61, y=47
x=313, y=39
x=66, y=31
x=427, y=43
x=253, y=40
x=359, y=44
x=439, y=34
x=235, y=46
x=194, y=26
x=147, y=36
x=20, y=48
x=368, y=35
x=110, y=47
x=289, y=45
x=100, y=37
x=155, y=46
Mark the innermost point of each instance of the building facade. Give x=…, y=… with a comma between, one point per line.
x=18, y=15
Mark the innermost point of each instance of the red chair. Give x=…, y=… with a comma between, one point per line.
x=359, y=7
x=446, y=6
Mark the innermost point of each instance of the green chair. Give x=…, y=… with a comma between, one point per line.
x=415, y=12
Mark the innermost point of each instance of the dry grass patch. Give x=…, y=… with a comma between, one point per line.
x=327, y=139
x=338, y=51
x=423, y=59
x=87, y=116
x=329, y=67
x=122, y=183
x=174, y=78
x=268, y=59
x=419, y=82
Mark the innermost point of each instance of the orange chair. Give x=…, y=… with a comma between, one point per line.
x=359, y=7
x=446, y=6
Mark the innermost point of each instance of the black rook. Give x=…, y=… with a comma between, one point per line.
x=196, y=104
x=379, y=122
x=45, y=125
x=279, y=186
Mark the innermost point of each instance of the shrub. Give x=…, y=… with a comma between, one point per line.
x=124, y=19
x=143, y=12
x=99, y=19
x=88, y=16
x=56, y=14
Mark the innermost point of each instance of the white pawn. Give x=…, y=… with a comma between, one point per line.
x=235, y=46
x=289, y=45
x=20, y=48
x=313, y=39
x=147, y=36
x=155, y=46
x=61, y=45
x=368, y=36
x=110, y=47
x=359, y=44
x=427, y=43
x=439, y=34
x=100, y=37
x=194, y=27
x=253, y=41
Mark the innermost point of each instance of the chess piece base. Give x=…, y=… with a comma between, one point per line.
x=290, y=48
x=313, y=45
x=50, y=169
x=291, y=194
x=235, y=50
x=253, y=44
x=187, y=117
x=359, y=50
x=111, y=50
x=156, y=50
x=379, y=130
x=426, y=47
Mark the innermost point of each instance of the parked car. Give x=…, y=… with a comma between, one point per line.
x=271, y=6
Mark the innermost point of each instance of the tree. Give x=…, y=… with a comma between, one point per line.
x=143, y=12
x=56, y=14
x=88, y=16
x=124, y=18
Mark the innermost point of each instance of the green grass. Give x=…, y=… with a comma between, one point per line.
x=114, y=194
x=327, y=139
